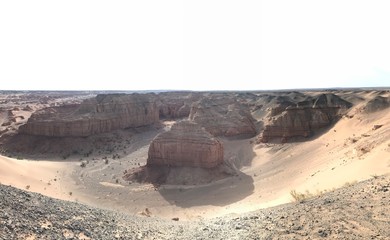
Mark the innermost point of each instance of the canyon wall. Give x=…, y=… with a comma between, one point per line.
x=302, y=119
x=104, y=113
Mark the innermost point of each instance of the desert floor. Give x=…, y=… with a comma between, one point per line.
x=351, y=150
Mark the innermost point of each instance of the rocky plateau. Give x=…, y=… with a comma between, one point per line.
x=101, y=114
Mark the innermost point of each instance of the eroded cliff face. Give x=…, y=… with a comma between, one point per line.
x=175, y=105
x=304, y=118
x=186, y=145
x=223, y=117
x=104, y=113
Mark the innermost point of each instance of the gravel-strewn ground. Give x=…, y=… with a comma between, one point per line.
x=361, y=211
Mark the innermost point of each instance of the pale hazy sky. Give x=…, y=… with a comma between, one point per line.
x=197, y=45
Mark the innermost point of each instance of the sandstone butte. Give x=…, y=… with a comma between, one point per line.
x=104, y=113
x=187, y=144
x=304, y=118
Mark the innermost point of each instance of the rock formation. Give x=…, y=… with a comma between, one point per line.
x=223, y=117
x=176, y=104
x=304, y=118
x=101, y=114
x=376, y=104
x=186, y=145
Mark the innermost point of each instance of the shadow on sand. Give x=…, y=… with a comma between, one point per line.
x=219, y=193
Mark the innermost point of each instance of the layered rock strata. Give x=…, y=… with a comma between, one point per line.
x=104, y=113
x=223, y=117
x=304, y=118
x=174, y=105
x=187, y=144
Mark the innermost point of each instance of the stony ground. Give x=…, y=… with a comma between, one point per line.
x=360, y=211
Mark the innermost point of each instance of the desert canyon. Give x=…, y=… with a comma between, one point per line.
x=304, y=164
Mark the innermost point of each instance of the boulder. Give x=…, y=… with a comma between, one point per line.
x=104, y=113
x=187, y=144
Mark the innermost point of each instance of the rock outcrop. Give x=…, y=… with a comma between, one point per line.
x=174, y=105
x=186, y=145
x=304, y=118
x=104, y=113
x=376, y=104
x=223, y=117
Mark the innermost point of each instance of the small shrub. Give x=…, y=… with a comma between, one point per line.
x=83, y=164
x=348, y=184
x=300, y=197
x=28, y=187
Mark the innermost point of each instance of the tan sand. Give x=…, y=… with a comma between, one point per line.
x=48, y=178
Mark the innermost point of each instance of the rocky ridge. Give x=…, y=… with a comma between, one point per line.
x=360, y=211
x=377, y=103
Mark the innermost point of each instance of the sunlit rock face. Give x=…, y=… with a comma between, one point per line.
x=104, y=113
x=187, y=144
x=304, y=118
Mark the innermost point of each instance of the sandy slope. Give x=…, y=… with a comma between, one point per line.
x=48, y=178
x=349, y=151
x=360, y=211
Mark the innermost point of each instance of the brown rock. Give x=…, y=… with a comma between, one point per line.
x=97, y=115
x=304, y=118
x=186, y=145
x=223, y=117
x=176, y=105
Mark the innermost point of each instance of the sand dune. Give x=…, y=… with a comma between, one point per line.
x=46, y=177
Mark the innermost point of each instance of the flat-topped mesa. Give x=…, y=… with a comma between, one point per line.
x=304, y=118
x=104, y=113
x=187, y=144
x=224, y=117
